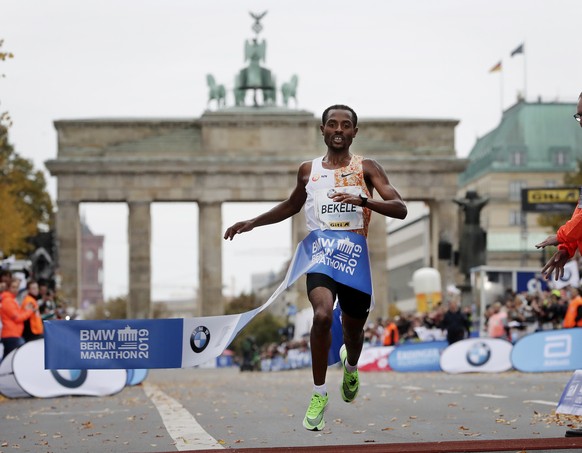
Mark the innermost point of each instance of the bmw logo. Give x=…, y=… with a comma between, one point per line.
x=479, y=354
x=75, y=378
x=199, y=339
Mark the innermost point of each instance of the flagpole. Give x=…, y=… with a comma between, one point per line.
x=524, y=76
x=501, y=90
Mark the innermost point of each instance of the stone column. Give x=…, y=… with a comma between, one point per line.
x=69, y=247
x=210, y=299
x=378, y=249
x=298, y=233
x=139, y=237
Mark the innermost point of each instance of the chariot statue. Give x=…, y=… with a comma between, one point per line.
x=255, y=77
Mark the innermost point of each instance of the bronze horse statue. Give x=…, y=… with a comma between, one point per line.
x=215, y=92
x=289, y=90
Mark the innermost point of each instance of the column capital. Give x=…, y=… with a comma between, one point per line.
x=139, y=202
x=68, y=202
x=210, y=202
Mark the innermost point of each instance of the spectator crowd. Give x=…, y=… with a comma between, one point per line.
x=24, y=304
x=510, y=317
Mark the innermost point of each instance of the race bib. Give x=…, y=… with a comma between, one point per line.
x=338, y=216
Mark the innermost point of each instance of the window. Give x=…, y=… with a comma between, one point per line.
x=518, y=158
x=515, y=189
x=550, y=183
x=516, y=218
x=560, y=156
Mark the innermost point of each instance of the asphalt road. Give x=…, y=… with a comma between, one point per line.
x=194, y=409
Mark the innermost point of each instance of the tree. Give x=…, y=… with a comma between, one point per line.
x=25, y=205
x=116, y=308
x=264, y=328
x=26, y=208
x=555, y=221
x=4, y=55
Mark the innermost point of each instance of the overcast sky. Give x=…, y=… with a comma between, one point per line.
x=149, y=58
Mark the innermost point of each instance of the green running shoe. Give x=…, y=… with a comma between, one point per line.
x=351, y=383
x=313, y=420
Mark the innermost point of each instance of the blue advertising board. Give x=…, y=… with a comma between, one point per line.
x=530, y=282
x=550, y=350
x=423, y=356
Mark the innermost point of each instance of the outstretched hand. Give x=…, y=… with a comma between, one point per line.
x=556, y=265
x=238, y=228
x=550, y=240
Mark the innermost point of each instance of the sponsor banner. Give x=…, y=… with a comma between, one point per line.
x=531, y=282
x=375, y=358
x=550, y=350
x=8, y=384
x=182, y=343
x=482, y=355
x=571, y=399
x=417, y=356
x=571, y=276
x=29, y=374
x=342, y=255
x=113, y=344
x=549, y=199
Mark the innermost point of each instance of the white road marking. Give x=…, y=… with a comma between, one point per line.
x=547, y=403
x=448, y=392
x=411, y=387
x=384, y=386
x=180, y=423
x=490, y=395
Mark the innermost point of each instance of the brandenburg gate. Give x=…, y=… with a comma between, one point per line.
x=234, y=154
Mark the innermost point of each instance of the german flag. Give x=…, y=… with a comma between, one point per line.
x=496, y=68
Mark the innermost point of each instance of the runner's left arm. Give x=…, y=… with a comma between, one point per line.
x=391, y=203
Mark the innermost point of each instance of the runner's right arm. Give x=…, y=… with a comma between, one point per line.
x=282, y=211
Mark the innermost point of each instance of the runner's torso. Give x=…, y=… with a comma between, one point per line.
x=321, y=212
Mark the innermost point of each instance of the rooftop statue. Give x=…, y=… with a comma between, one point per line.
x=289, y=90
x=215, y=92
x=254, y=76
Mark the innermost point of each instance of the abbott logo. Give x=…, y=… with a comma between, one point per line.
x=558, y=346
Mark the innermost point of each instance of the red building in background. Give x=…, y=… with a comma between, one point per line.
x=91, y=267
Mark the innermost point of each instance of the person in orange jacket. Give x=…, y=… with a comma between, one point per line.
x=390, y=335
x=13, y=317
x=568, y=238
x=573, y=316
x=33, y=328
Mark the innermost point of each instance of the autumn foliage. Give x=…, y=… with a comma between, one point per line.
x=25, y=205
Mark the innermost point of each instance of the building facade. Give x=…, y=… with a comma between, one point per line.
x=91, y=267
x=534, y=146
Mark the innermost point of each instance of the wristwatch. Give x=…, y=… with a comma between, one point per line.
x=364, y=199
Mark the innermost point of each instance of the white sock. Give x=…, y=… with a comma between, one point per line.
x=350, y=368
x=321, y=389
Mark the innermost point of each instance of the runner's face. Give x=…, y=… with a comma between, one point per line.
x=338, y=130
x=579, y=109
